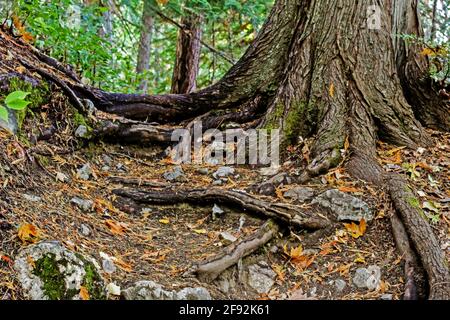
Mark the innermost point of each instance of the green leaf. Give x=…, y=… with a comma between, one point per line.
x=16, y=100
x=4, y=114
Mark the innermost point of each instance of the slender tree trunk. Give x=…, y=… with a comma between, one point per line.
x=433, y=20
x=143, y=59
x=187, y=55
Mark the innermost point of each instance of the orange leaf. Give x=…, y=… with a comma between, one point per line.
x=28, y=233
x=26, y=36
x=84, y=294
x=355, y=230
x=114, y=226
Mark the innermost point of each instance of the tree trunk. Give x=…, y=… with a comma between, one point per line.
x=184, y=79
x=143, y=59
x=333, y=71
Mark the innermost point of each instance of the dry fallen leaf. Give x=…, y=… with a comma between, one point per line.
x=164, y=221
x=84, y=294
x=114, y=226
x=28, y=233
x=356, y=230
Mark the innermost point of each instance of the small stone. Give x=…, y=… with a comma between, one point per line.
x=269, y=171
x=106, y=168
x=242, y=220
x=193, y=294
x=32, y=198
x=108, y=266
x=367, y=278
x=344, y=206
x=113, y=289
x=85, y=205
x=223, y=172
x=85, y=172
x=386, y=296
x=82, y=132
x=107, y=160
x=261, y=277
x=216, y=211
x=85, y=230
x=273, y=249
x=176, y=175
x=217, y=183
x=147, y=290
x=300, y=194
x=340, y=285
x=203, y=171
x=121, y=167
x=61, y=177
x=227, y=238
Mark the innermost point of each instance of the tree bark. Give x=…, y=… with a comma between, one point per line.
x=184, y=79
x=143, y=59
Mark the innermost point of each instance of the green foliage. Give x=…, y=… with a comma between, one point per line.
x=438, y=55
x=15, y=101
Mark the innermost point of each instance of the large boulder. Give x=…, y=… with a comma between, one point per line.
x=344, y=206
x=49, y=271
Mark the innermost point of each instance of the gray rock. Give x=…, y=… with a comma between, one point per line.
x=85, y=172
x=108, y=266
x=217, y=183
x=367, y=278
x=261, y=277
x=107, y=160
x=198, y=293
x=106, y=168
x=269, y=171
x=56, y=267
x=175, y=175
x=227, y=238
x=300, y=194
x=281, y=178
x=203, y=171
x=223, y=172
x=82, y=132
x=85, y=205
x=386, y=296
x=216, y=211
x=344, y=206
x=32, y=198
x=85, y=230
x=121, y=167
x=340, y=285
x=149, y=290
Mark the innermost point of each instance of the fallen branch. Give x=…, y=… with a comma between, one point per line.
x=289, y=214
x=212, y=268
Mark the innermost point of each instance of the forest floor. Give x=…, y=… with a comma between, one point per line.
x=160, y=243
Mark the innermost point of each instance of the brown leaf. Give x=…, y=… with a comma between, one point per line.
x=355, y=230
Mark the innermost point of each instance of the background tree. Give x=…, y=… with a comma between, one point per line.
x=143, y=59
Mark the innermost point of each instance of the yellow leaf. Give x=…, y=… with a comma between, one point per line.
x=355, y=230
x=28, y=233
x=164, y=221
x=200, y=231
x=332, y=90
x=346, y=144
x=84, y=294
x=428, y=52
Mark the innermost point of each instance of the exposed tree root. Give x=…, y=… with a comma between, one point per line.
x=209, y=270
x=290, y=215
x=405, y=250
x=425, y=242
x=130, y=131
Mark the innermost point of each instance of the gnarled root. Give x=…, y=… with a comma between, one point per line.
x=210, y=269
x=288, y=214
